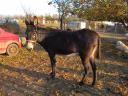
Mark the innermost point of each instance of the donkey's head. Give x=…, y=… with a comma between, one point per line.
x=36, y=37
x=32, y=40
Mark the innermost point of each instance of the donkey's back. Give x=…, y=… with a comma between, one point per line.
x=70, y=42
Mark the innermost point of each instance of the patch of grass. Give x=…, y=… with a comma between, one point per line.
x=112, y=36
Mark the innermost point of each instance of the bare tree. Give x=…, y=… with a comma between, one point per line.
x=63, y=7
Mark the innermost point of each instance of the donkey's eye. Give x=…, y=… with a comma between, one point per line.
x=33, y=36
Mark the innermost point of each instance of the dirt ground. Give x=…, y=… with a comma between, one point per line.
x=27, y=74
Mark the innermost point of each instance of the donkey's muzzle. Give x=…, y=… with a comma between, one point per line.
x=30, y=45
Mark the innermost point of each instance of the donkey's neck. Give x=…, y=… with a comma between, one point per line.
x=44, y=33
x=41, y=37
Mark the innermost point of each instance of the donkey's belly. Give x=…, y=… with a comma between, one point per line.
x=65, y=51
x=70, y=55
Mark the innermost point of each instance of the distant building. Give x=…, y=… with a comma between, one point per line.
x=108, y=26
x=41, y=20
x=75, y=25
x=52, y=23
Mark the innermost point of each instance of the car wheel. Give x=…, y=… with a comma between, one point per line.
x=12, y=49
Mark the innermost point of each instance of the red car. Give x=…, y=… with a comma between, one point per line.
x=9, y=43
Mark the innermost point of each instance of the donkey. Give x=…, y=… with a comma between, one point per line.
x=84, y=42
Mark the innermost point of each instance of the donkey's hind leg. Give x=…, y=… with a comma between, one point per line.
x=93, y=65
x=84, y=60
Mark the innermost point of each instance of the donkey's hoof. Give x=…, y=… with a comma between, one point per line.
x=81, y=83
x=52, y=75
x=93, y=84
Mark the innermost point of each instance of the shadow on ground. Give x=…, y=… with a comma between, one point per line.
x=56, y=86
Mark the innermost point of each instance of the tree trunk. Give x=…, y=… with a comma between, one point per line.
x=124, y=24
x=62, y=22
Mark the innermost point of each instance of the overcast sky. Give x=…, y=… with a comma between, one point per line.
x=15, y=7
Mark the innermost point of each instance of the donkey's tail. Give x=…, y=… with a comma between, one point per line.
x=98, y=54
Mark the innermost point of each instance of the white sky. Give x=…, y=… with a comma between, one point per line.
x=15, y=7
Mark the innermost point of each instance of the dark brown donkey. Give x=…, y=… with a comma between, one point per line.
x=85, y=43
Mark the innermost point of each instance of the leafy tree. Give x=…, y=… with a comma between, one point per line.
x=110, y=10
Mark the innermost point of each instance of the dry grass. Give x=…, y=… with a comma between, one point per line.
x=27, y=74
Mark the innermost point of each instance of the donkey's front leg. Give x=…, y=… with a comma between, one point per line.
x=53, y=64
